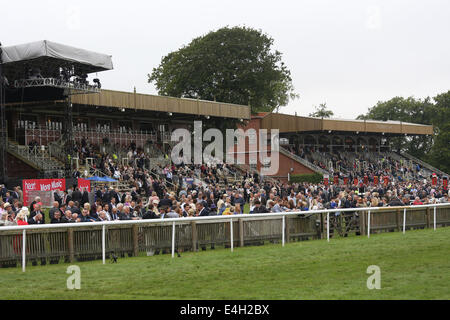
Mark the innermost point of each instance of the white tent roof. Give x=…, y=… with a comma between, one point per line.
x=49, y=49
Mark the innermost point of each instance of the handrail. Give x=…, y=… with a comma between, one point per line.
x=216, y=217
x=424, y=164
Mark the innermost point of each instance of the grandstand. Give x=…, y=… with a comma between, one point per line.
x=46, y=112
x=344, y=148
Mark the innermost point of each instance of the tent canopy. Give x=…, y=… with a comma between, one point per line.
x=101, y=179
x=49, y=56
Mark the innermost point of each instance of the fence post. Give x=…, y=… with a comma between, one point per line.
x=322, y=226
x=404, y=220
x=135, y=240
x=241, y=232
x=287, y=227
x=24, y=240
x=103, y=244
x=231, y=234
x=328, y=226
x=362, y=223
x=70, y=244
x=194, y=236
x=397, y=215
x=283, y=224
x=434, y=218
x=173, y=239
x=368, y=224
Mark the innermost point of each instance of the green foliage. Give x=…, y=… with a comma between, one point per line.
x=321, y=111
x=436, y=111
x=234, y=65
x=306, y=177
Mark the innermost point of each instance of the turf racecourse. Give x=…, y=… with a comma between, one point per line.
x=413, y=266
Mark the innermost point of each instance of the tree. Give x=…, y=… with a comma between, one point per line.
x=321, y=111
x=439, y=154
x=234, y=65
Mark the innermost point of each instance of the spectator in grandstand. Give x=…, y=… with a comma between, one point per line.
x=17, y=205
x=37, y=210
x=201, y=210
x=8, y=197
x=125, y=215
x=53, y=209
x=3, y=191
x=6, y=219
x=67, y=217
x=21, y=218
x=85, y=216
x=258, y=208
x=417, y=201
x=56, y=217
x=76, y=195
x=36, y=200
x=102, y=216
x=37, y=218
x=9, y=211
x=396, y=202
x=170, y=213
x=114, y=214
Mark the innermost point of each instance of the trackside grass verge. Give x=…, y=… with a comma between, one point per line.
x=413, y=266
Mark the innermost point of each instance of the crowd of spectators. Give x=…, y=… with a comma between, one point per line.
x=158, y=196
x=359, y=165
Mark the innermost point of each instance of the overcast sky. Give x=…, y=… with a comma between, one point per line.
x=348, y=53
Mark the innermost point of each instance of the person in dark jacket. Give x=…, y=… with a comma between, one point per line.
x=38, y=218
x=202, y=211
x=259, y=208
x=85, y=217
x=56, y=217
x=396, y=202
x=84, y=198
x=76, y=195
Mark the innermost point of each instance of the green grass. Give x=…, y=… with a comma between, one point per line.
x=413, y=266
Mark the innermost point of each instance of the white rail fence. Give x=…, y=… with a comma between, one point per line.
x=227, y=219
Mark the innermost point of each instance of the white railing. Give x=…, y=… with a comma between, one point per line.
x=206, y=219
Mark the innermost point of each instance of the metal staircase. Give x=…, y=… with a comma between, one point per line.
x=424, y=164
x=38, y=157
x=304, y=162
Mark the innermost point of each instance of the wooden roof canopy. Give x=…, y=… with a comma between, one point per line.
x=139, y=101
x=289, y=123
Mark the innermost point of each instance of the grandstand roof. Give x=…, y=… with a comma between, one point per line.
x=139, y=101
x=289, y=123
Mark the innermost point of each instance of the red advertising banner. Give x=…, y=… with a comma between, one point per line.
x=325, y=181
x=336, y=180
x=41, y=188
x=445, y=183
x=355, y=181
x=386, y=179
x=345, y=180
x=434, y=179
x=375, y=179
x=366, y=179
x=84, y=185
